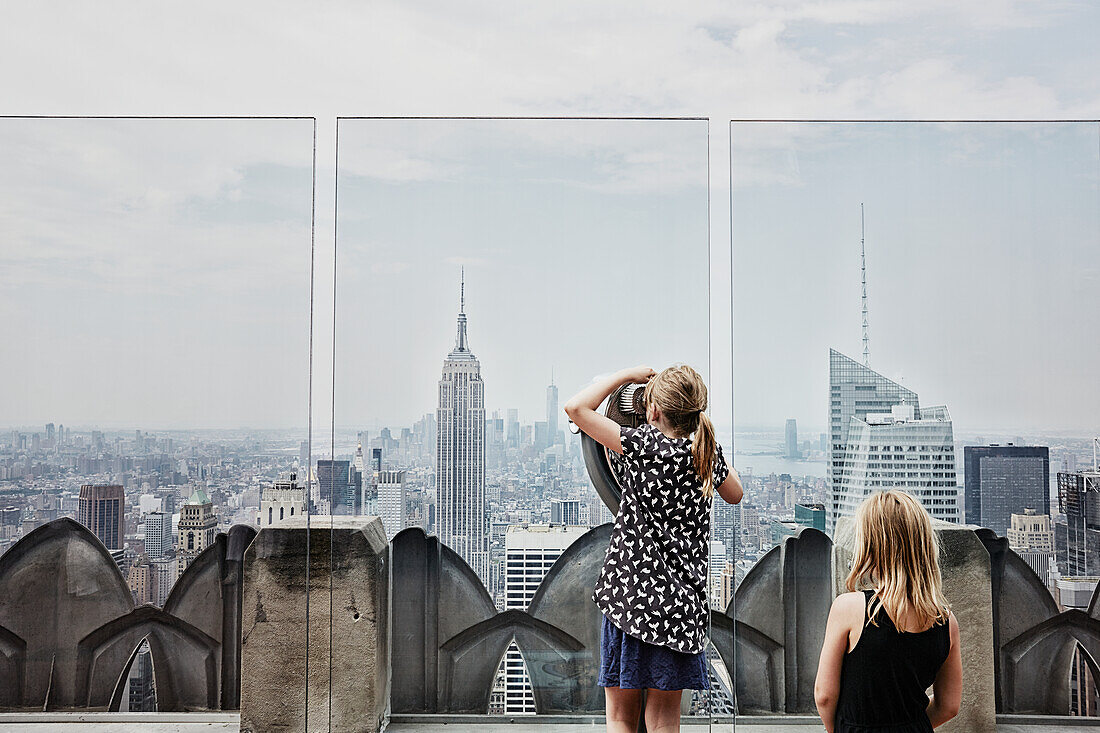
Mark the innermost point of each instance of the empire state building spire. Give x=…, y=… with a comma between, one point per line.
x=462, y=345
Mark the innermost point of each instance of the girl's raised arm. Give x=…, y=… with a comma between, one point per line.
x=581, y=407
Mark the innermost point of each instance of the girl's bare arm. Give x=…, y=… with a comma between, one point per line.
x=581, y=407
x=731, y=489
x=847, y=609
x=947, y=689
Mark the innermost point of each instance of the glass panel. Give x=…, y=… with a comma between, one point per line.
x=487, y=271
x=154, y=281
x=884, y=270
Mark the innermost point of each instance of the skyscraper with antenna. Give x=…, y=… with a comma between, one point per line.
x=552, y=411
x=460, y=452
x=870, y=416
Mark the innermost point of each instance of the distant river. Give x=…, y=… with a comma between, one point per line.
x=763, y=452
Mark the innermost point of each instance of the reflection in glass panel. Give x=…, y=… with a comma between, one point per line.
x=154, y=280
x=487, y=271
x=911, y=302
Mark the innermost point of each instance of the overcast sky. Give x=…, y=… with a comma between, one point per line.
x=154, y=273
x=877, y=59
x=983, y=267
x=584, y=241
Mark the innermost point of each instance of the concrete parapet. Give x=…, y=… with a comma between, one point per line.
x=343, y=681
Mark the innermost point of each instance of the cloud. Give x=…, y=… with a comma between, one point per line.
x=388, y=268
x=800, y=59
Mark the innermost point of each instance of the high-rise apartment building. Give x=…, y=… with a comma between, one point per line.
x=715, y=565
x=1074, y=592
x=359, y=462
x=142, y=580
x=392, y=501
x=365, y=476
x=1030, y=530
x=1030, y=536
x=339, y=487
x=282, y=500
x=142, y=694
x=511, y=426
x=530, y=552
x=165, y=573
x=197, y=528
x=1077, y=542
x=1002, y=480
x=460, y=454
x=565, y=511
x=158, y=534
x=854, y=391
x=726, y=524
x=810, y=515
x=102, y=509
x=900, y=449
x=791, y=442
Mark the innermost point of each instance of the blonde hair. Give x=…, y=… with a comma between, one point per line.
x=897, y=556
x=681, y=396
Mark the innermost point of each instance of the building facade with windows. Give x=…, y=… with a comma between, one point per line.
x=102, y=509
x=855, y=391
x=530, y=552
x=198, y=526
x=282, y=500
x=1077, y=542
x=1031, y=537
x=900, y=449
x=339, y=488
x=392, y=506
x=158, y=534
x=566, y=511
x=1002, y=480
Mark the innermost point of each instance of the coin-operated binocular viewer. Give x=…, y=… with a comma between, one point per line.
x=605, y=467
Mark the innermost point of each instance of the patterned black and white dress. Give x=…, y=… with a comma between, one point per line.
x=653, y=586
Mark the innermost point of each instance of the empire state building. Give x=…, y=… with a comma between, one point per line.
x=460, y=453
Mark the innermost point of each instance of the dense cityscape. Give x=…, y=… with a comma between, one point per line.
x=509, y=496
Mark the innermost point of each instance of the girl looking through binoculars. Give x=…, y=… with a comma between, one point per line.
x=653, y=586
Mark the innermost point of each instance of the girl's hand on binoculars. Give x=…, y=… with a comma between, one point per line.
x=639, y=374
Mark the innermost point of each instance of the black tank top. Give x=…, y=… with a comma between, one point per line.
x=883, y=680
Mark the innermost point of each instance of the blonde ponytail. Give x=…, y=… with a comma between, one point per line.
x=681, y=395
x=702, y=453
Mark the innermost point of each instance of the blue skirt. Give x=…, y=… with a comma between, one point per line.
x=632, y=664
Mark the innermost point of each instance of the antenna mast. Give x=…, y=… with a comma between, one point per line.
x=863, y=278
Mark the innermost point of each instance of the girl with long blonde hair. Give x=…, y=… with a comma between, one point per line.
x=652, y=589
x=893, y=635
